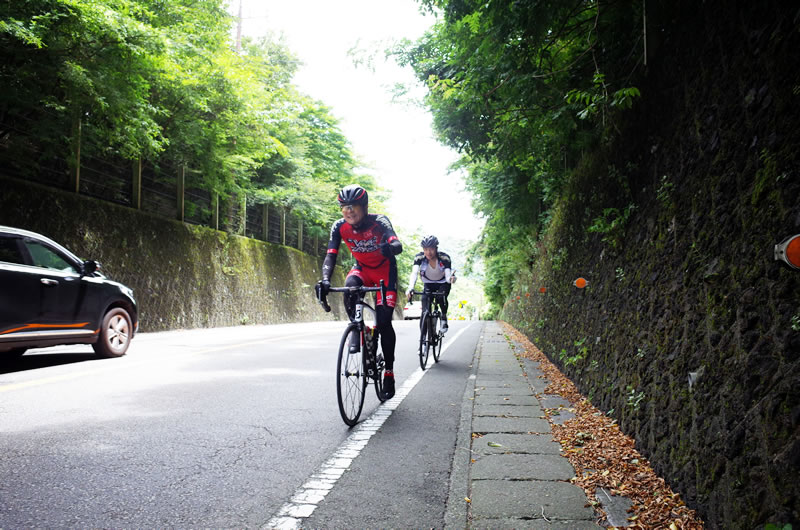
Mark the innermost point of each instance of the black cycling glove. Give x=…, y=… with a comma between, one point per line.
x=391, y=249
x=322, y=288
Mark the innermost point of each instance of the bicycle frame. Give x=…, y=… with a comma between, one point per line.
x=360, y=303
x=369, y=339
x=435, y=306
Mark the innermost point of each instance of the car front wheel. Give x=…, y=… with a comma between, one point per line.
x=115, y=334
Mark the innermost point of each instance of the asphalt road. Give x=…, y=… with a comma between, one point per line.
x=217, y=429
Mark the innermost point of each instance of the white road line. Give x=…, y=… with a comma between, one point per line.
x=308, y=496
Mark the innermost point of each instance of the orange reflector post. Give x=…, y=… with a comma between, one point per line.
x=788, y=251
x=793, y=252
x=580, y=283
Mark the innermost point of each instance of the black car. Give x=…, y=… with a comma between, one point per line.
x=48, y=296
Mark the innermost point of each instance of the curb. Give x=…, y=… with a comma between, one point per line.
x=456, y=514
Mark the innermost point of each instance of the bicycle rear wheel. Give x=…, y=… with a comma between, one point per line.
x=424, y=344
x=379, y=381
x=351, y=379
x=376, y=365
x=439, y=338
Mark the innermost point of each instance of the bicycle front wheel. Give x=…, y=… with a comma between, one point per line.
x=424, y=343
x=439, y=338
x=351, y=379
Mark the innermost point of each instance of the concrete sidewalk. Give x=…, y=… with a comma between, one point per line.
x=506, y=462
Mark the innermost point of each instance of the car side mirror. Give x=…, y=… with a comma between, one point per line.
x=89, y=267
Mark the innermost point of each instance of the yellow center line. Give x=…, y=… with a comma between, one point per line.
x=77, y=375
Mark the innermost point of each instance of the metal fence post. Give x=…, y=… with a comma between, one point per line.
x=243, y=215
x=300, y=234
x=75, y=176
x=265, y=222
x=136, y=184
x=283, y=226
x=180, y=191
x=215, y=210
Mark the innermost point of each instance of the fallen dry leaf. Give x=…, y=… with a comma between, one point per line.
x=593, y=442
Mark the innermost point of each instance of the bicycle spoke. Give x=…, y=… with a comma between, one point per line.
x=437, y=345
x=351, y=379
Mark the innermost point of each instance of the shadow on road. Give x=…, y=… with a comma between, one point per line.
x=33, y=361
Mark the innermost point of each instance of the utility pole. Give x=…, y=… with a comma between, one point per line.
x=239, y=30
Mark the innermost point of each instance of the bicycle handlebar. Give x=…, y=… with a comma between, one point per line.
x=353, y=289
x=430, y=293
x=323, y=298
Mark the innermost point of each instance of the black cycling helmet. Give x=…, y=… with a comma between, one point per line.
x=353, y=194
x=429, y=242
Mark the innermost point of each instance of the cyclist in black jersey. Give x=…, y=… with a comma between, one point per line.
x=434, y=268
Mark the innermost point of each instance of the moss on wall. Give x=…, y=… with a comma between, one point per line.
x=183, y=276
x=689, y=331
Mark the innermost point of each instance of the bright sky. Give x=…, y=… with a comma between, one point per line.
x=394, y=140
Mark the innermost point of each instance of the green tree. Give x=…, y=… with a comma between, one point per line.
x=521, y=88
x=160, y=81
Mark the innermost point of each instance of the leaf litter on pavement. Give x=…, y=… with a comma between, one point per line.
x=604, y=457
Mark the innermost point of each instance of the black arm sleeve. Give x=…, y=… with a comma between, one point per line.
x=327, y=266
x=333, y=250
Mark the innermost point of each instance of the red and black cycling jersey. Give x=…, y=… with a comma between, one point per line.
x=364, y=242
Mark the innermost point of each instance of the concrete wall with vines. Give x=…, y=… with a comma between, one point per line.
x=688, y=332
x=183, y=275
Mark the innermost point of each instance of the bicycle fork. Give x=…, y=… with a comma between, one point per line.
x=368, y=339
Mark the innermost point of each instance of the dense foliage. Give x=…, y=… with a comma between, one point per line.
x=162, y=81
x=522, y=88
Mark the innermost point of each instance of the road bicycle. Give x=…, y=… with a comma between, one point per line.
x=359, y=361
x=431, y=335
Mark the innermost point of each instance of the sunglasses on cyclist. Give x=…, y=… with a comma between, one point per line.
x=348, y=207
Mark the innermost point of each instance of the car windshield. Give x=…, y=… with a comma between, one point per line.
x=45, y=257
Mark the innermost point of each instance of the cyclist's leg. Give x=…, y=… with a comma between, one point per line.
x=353, y=280
x=385, y=310
x=425, y=303
x=432, y=288
x=387, y=334
x=388, y=340
x=426, y=298
x=445, y=305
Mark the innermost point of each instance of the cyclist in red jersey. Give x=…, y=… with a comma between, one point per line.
x=374, y=245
